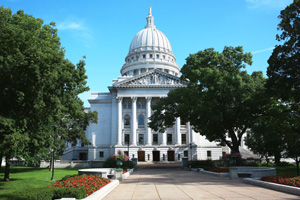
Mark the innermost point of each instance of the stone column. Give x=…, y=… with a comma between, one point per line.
x=119, y=143
x=191, y=135
x=148, y=114
x=177, y=132
x=133, y=121
x=188, y=137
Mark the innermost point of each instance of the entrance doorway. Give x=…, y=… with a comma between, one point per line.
x=171, y=155
x=141, y=155
x=156, y=155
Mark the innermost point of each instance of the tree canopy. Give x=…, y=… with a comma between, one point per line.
x=220, y=100
x=284, y=73
x=39, y=88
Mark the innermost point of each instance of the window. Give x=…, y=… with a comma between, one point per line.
x=136, y=72
x=178, y=156
x=126, y=103
x=141, y=121
x=183, y=138
x=155, y=139
x=164, y=57
x=126, y=152
x=126, y=120
x=82, y=144
x=169, y=138
x=101, y=154
x=131, y=58
x=151, y=56
x=141, y=104
x=144, y=55
x=186, y=153
x=126, y=139
x=209, y=154
x=157, y=55
x=141, y=139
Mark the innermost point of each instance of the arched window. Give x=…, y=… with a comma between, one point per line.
x=126, y=120
x=141, y=120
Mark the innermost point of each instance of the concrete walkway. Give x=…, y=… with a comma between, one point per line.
x=180, y=184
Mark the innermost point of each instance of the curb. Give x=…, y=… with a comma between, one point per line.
x=103, y=191
x=273, y=186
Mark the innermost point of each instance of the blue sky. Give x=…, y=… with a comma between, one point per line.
x=102, y=30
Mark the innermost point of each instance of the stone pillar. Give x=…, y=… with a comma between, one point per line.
x=177, y=132
x=148, y=114
x=191, y=135
x=133, y=123
x=188, y=138
x=164, y=138
x=119, y=143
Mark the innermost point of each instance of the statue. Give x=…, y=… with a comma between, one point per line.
x=150, y=10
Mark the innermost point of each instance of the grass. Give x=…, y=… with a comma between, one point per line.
x=286, y=170
x=26, y=178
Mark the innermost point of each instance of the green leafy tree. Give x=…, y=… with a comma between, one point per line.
x=268, y=130
x=39, y=88
x=284, y=68
x=219, y=99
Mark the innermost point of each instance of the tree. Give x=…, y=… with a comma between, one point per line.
x=268, y=130
x=218, y=100
x=38, y=87
x=284, y=68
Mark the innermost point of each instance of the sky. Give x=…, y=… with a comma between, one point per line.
x=102, y=30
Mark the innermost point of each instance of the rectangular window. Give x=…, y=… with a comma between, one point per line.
x=157, y=55
x=209, y=154
x=143, y=103
x=183, y=138
x=139, y=104
x=126, y=138
x=101, y=154
x=150, y=55
x=144, y=56
x=186, y=153
x=155, y=139
x=169, y=138
x=141, y=139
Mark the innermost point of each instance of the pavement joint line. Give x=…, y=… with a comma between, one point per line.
x=135, y=186
x=155, y=187
x=236, y=192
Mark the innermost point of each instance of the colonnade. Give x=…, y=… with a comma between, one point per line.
x=133, y=124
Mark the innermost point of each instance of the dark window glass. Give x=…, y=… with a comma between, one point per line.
x=186, y=153
x=126, y=139
x=155, y=138
x=183, y=138
x=101, y=154
x=141, y=120
x=169, y=138
x=209, y=154
x=126, y=120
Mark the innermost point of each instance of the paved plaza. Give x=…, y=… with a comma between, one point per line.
x=174, y=183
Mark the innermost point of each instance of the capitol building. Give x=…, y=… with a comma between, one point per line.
x=149, y=73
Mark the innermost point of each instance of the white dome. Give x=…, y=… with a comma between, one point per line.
x=150, y=37
x=150, y=49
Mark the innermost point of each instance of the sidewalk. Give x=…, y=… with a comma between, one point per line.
x=180, y=184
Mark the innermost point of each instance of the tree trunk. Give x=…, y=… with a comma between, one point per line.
x=7, y=168
x=277, y=158
x=51, y=163
x=297, y=165
x=1, y=157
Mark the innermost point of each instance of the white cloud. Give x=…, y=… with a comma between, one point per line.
x=273, y=4
x=77, y=28
x=70, y=25
x=262, y=50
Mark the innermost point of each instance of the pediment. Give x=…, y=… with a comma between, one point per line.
x=153, y=78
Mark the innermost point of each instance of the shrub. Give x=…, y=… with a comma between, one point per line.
x=128, y=165
x=205, y=164
x=284, y=164
x=49, y=193
x=110, y=162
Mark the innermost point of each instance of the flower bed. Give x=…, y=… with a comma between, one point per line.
x=219, y=170
x=285, y=179
x=124, y=171
x=90, y=183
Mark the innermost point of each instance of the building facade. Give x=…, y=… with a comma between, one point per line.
x=149, y=73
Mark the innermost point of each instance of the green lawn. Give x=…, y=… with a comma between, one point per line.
x=26, y=178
